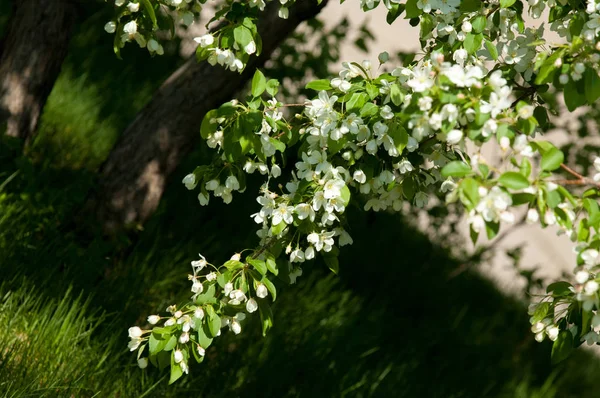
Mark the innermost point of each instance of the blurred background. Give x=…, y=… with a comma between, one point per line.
x=416, y=311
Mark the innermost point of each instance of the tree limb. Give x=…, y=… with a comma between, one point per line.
x=31, y=56
x=133, y=178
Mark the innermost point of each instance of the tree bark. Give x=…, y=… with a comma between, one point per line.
x=31, y=55
x=134, y=176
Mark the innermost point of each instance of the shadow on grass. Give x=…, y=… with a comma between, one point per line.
x=391, y=325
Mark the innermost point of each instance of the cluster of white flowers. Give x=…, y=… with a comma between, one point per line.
x=386, y=140
x=543, y=328
x=283, y=10
x=223, y=57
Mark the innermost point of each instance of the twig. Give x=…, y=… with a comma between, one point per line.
x=581, y=180
x=571, y=171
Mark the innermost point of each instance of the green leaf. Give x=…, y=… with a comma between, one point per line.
x=456, y=168
x=470, y=5
x=399, y=134
x=208, y=296
x=473, y=42
x=233, y=264
x=370, y=109
x=525, y=168
x=548, y=68
x=559, y=288
x=479, y=23
x=492, y=49
x=474, y=235
x=332, y=263
x=566, y=194
x=319, y=85
x=259, y=83
x=277, y=229
x=259, y=265
x=345, y=195
x=197, y=357
x=271, y=263
x=163, y=358
x=242, y=36
x=156, y=343
x=396, y=95
x=150, y=11
x=513, y=180
x=412, y=11
x=372, y=91
x=591, y=206
x=207, y=127
x=592, y=85
x=552, y=159
x=540, y=312
x=574, y=95
x=270, y=287
x=203, y=339
x=562, y=347
x=266, y=317
x=507, y=3
x=522, y=198
x=427, y=26
x=553, y=198
x=491, y=229
x=176, y=372
x=272, y=87
x=470, y=188
x=583, y=231
x=356, y=102
x=170, y=344
x=394, y=12
x=213, y=321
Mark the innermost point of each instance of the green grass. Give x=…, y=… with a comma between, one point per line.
x=391, y=325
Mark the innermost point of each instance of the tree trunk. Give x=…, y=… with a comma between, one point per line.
x=134, y=176
x=31, y=55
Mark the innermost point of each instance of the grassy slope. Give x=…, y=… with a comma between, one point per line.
x=390, y=325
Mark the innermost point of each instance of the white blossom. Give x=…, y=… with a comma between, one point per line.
x=251, y=305
x=261, y=291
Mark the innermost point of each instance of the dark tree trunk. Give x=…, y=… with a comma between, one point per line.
x=31, y=55
x=134, y=176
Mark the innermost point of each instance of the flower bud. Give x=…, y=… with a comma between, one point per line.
x=184, y=338
x=563, y=78
x=189, y=181
x=236, y=327
x=591, y=287
x=532, y=216
x=133, y=7
x=454, y=137
x=199, y=313
x=250, y=48
x=558, y=63
x=177, y=356
x=110, y=27
x=383, y=57
x=261, y=290
x=143, y=363
x=135, y=332
x=579, y=67
x=251, y=305
x=153, y=319
x=466, y=27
